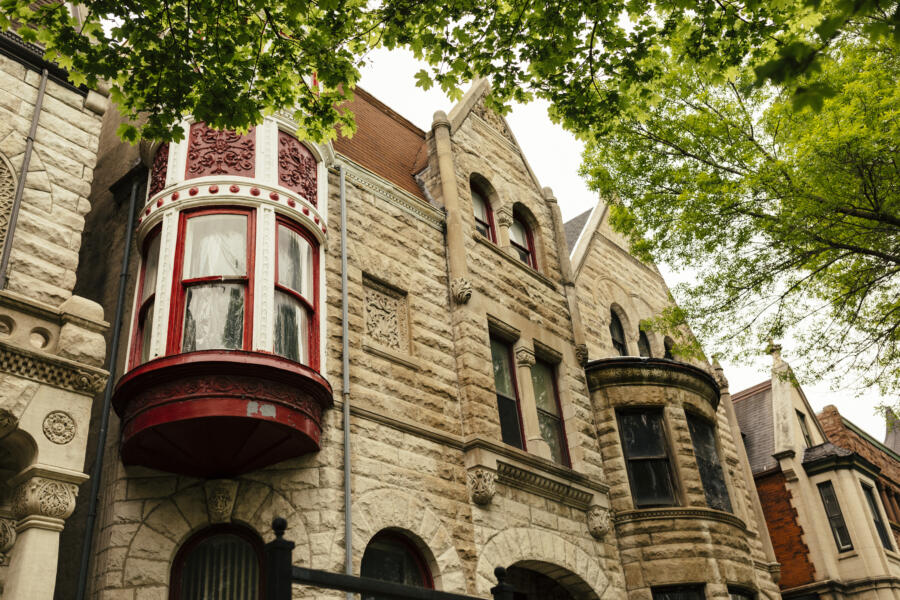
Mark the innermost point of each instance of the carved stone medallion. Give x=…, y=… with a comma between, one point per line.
x=59, y=427
x=220, y=496
x=461, y=290
x=482, y=485
x=598, y=521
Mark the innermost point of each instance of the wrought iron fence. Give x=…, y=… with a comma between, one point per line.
x=281, y=575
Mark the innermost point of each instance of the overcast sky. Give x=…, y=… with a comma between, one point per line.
x=554, y=155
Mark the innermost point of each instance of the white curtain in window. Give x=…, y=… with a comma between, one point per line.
x=215, y=245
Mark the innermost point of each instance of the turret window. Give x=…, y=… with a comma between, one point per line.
x=617, y=333
x=644, y=345
x=876, y=517
x=146, y=300
x=703, y=437
x=294, y=298
x=646, y=457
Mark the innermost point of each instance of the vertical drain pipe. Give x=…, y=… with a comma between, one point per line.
x=345, y=385
x=20, y=185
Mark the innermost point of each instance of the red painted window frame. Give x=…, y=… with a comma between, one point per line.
x=134, y=358
x=204, y=534
x=511, y=357
x=529, y=238
x=176, y=311
x=411, y=548
x=554, y=368
x=312, y=309
x=492, y=232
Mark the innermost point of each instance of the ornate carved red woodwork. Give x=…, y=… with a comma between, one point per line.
x=160, y=169
x=296, y=167
x=219, y=413
x=220, y=152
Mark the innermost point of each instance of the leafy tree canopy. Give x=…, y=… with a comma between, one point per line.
x=229, y=62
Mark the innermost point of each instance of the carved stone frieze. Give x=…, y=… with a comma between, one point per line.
x=59, y=427
x=482, y=485
x=50, y=370
x=534, y=482
x=387, y=317
x=220, y=496
x=493, y=119
x=7, y=195
x=159, y=170
x=220, y=152
x=524, y=356
x=581, y=354
x=461, y=290
x=297, y=167
x=598, y=521
x=44, y=497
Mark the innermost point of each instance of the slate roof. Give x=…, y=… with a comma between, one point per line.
x=573, y=227
x=826, y=450
x=753, y=408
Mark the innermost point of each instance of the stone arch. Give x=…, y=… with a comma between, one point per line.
x=398, y=511
x=544, y=552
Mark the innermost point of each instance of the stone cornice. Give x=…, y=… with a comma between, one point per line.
x=634, y=371
x=530, y=481
x=678, y=512
x=47, y=312
x=52, y=370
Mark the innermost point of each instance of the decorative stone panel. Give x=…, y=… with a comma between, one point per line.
x=220, y=152
x=387, y=316
x=7, y=195
x=297, y=167
x=220, y=496
x=159, y=170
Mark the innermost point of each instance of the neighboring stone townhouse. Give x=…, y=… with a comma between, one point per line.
x=504, y=409
x=52, y=348
x=828, y=491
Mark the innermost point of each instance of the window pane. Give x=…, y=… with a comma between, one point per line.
x=517, y=234
x=390, y=560
x=151, y=266
x=651, y=482
x=213, y=317
x=551, y=431
x=146, y=332
x=679, y=593
x=215, y=245
x=643, y=345
x=544, y=392
x=703, y=436
x=876, y=516
x=291, y=328
x=642, y=434
x=835, y=517
x=502, y=376
x=295, y=262
x=509, y=421
x=479, y=206
x=222, y=566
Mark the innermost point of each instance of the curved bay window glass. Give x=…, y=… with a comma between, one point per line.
x=146, y=300
x=703, y=436
x=646, y=457
x=644, y=345
x=294, y=294
x=391, y=557
x=484, y=217
x=617, y=333
x=218, y=563
x=214, y=278
x=522, y=241
x=546, y=397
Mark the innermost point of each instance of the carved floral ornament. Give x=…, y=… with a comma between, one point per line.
x=598, y=519
x=59, y=427
x=386, y=316
x=7, y=535
x=297, y=167
x=220, y=152
x=159, y=170
x=44, y=497
x=525, y=357
x=220, y=496
x=461, y=290
x=482, y=485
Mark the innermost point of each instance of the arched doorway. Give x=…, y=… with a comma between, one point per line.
x=540, y=581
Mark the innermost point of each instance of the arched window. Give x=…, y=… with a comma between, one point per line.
x=617, y=332
x=644, y=345
x=668, y=344
x=522, y=240
x=392, y=557
x=222, y=561
x=484, y=216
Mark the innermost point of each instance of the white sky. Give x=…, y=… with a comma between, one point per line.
x=555, y=155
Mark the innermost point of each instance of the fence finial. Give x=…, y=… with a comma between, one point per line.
x=279, y=525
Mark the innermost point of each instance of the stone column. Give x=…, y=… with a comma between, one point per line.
x=41, y=505
x=460, y=286
x=503, y=219
x=533, y=439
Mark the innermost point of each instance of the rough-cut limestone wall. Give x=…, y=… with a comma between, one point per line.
x=48, y=234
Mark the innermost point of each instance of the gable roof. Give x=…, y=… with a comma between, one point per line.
x=385, y=142
x=573, y=227
x=753, y=409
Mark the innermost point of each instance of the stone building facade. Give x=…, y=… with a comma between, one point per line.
x=825, y=488
x=504, y=408
x=52, y=346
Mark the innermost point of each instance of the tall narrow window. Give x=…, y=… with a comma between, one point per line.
x=876, y=516
x=146, y=300
x=644, y=345
x=617, y=333
x=214, y=281
x=546, y=396
x=646, y=457
x=484, y=217
x=222, y=562
x=804, y=429
x=295, y=301
x=668, y=344
x=703, y=436
x=522, y=241
x=679, y=592
x=507, y=395
x=391, y=557
x=835, y=517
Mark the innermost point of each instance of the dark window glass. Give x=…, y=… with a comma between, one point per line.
x=644, y=345
x=543, y=376
x=617, y=333
x=644, y=447
x=522, y=241
x=531, y=585
x=146, y=306
x=484, y=219
x=507, y=396
x=703, y=436
x=681, y=592
x=220, y=566
x=740, y=595
x=392, y=558
x=668, y=344
x=804, y=429
x=835, y=518
x=876, y=516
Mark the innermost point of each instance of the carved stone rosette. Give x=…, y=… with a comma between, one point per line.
x=482, y=485
x=220, y=496
x=525, y=357
x=44, y=497
x=461, y=290
x=59, y=427
x=598, y=521
x=581, y=354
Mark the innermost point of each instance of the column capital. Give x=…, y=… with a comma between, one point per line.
x=42, y=497
x=524, y=357
x=504, y=216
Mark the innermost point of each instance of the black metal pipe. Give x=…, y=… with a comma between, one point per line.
x=97, y=469
x=23, y=174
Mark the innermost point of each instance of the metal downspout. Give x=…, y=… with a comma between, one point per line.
x=97, y=469
x=345, y=385
x=20, y=185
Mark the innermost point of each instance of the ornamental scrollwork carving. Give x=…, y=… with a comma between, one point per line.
x=482, y=485
x=581, y=354
x=159, y=170
x=59, y=427
x=598, y=521
x=386, y=316
x=7, y=536
x=461, y=290
x=16, y=361
x=492, y=118
x=220, y=496
x=525, y=357
x=220, y=152
x=46, y=497
x=297, y=167
x=7, y=195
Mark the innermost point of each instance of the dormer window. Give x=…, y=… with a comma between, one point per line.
x=484, y=217
x=522, y=241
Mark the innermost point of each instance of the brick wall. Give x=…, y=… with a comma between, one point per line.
x=781, y=518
